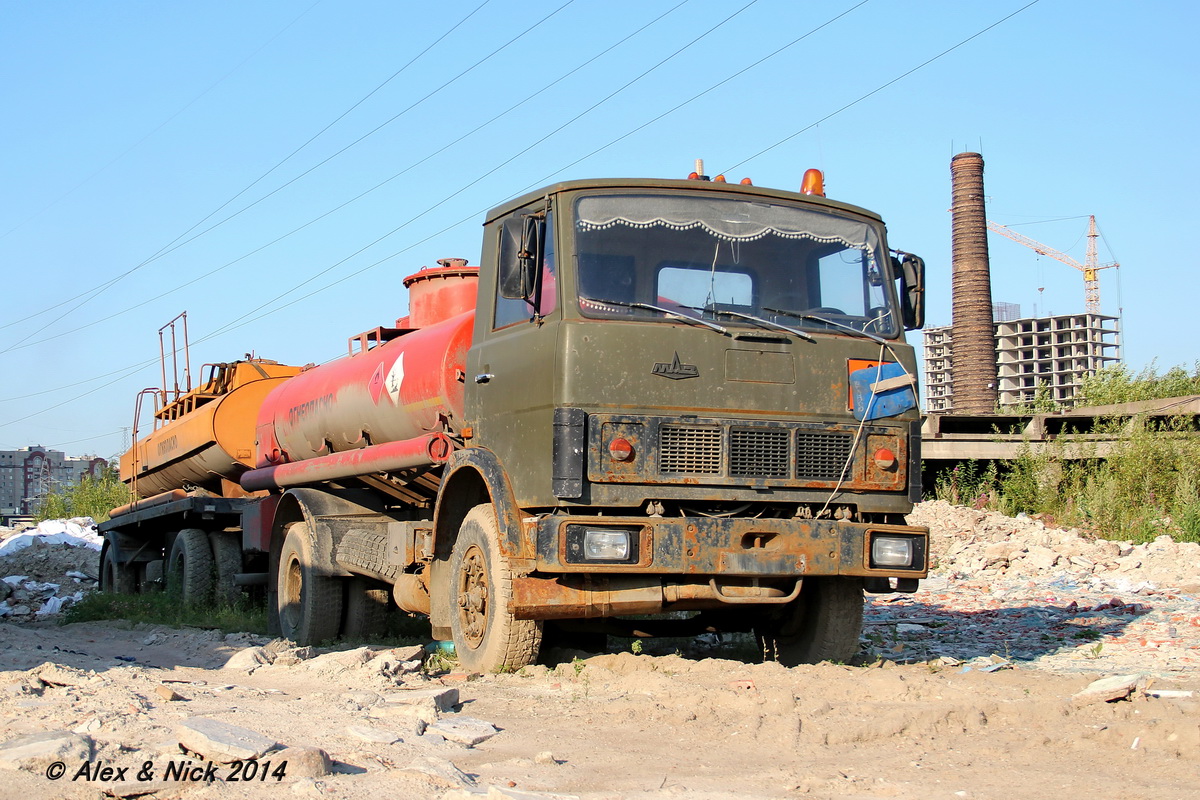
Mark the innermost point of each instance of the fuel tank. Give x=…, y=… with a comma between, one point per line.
x=407, y=385
x=207, y=434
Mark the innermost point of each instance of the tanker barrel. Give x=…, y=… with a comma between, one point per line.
x=433, y=448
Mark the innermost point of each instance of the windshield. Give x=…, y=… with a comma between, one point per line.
x=741, y=262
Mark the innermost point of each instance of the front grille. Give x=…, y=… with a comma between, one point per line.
x=821, y=456
x=735, y=451
x=759, y=453
x=690, y=449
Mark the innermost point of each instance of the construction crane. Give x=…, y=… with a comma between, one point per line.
x=1091, y=283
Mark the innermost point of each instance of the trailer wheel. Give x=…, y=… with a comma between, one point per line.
x=114, y=577
x=486, y=636
x=227, y=558
x=822, y=624
x=190, y=567
x=367, y=606
x=310, y=604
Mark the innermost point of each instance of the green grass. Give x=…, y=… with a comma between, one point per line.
x=161, y=608
x=1146, y=486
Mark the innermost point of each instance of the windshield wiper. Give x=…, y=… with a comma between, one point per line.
x=814, y=317
x=764, y=323
x=665, y=311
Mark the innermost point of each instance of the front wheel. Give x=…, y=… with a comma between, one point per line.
x=822, y=624
x=310, y=604
x=487, y=637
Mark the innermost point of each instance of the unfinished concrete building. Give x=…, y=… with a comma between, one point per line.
x=1056, y=352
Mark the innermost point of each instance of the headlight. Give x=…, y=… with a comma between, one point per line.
x=891, y=551
x=602, y=545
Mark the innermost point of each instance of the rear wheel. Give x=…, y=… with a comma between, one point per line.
x=310, y=604
x=367, y=606
x=227, y=557
x=114, y=577
x=822, y=624
x=190, y=567
x=486, y=636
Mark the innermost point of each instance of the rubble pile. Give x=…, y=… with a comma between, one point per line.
x=972, y=543
x=1009, y=592
x=45, y=569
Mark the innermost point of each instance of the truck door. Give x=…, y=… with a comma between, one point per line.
x=511, y=368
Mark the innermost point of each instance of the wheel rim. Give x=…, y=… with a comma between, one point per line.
x=293, y=588
x=473, y=596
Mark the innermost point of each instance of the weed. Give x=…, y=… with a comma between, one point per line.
x=636, y=647
x=165, y=608
x=1087, y=634
x=1145, y=485
x=439, y=661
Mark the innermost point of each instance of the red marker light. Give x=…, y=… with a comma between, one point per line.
x=747, y=182
x=620, y=450
x=719, y=179
x=885, y=458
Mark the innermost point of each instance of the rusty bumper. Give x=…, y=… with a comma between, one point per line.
x=699, y=562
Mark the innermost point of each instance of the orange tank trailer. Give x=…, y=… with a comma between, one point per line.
x=205, y=438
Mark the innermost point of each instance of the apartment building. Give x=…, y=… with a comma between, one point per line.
x=27, y=474
x=1056, y=352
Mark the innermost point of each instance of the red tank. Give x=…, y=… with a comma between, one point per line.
x=408, y=386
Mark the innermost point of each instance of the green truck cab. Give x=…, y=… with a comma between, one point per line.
x=682, y=396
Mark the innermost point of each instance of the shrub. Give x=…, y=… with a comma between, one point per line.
x=92, y=497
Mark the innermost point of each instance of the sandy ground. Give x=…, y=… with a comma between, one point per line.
x=615, y=725
x=966, y=691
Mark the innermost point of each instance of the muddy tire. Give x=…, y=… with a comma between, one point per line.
x=822, y=624
x=310, y=604
x=114, y=577
x=486, y=636
x=227, y=559
x=190, y=567
x=367, y=605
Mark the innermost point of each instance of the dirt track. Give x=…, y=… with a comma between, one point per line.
x=616, y=725
x=996, y=647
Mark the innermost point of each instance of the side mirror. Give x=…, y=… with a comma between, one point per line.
x=912, y=290
x=519, y=276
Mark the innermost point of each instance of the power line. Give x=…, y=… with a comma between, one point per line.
x=25, y=343
x=693, y=98
x=337, y=208
x=175, y=244
x=143, y=140
x=245, y=319
x=879, y=89
x=471, y=183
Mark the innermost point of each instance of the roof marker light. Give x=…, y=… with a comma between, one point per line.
x=813, y=183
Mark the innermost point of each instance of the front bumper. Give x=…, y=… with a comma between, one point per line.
x=697, y=563
x=763, y=548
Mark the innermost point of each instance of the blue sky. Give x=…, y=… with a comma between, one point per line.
x=135, y=133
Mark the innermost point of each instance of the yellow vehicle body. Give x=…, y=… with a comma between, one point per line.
x=205, y=438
